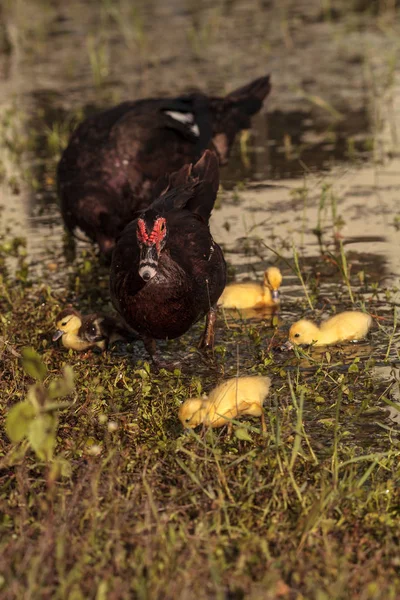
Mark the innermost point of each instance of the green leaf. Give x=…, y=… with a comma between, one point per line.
x=62, y=386
x=37, y=396
x=243, y=434
x=353, y=368
x=42, y=435
x=60, y=467
x=33, y=364
x=18, y=420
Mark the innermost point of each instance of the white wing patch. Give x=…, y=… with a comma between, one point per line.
x=186, y=118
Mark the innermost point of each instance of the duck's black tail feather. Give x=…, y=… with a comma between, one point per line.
x=249, y=98
x=206, y=173
x=233, y=113
x=193, y=187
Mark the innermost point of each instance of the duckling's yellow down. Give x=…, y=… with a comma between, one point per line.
x=251, y=294
x=70, y=326
x=234, y=397
x=346, y=326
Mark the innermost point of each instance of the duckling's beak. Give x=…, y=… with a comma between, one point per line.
x=57, y=335
x=275, y=295
x=148, y=262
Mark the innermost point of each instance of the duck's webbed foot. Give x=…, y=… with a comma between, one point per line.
x=156, y=357
x=207, y=339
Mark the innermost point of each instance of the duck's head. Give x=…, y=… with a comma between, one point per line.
x=303, y=332
x=191, y=413
x=151, y=234
x=273, y=280
x=68, y=321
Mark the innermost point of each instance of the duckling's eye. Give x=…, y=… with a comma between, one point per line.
x=187, y=420
x=296, y=335
x=64, y=324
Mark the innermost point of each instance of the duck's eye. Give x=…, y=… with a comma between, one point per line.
x=187, y=420
x=296, y=335
x=64, y=324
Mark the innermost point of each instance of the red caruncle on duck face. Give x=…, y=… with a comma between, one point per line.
x=156, y=236
x=151, y=242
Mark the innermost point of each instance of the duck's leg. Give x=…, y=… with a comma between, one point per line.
x=151, y=347
x=156, y=357
x=207, y=339
x=263, y=423
x=69, y=246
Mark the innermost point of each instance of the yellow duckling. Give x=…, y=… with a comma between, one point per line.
x=83, y=332
x=234, y=397
x=346, y=326
x=253, y=295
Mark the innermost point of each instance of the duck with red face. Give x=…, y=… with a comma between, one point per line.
x=167, y=272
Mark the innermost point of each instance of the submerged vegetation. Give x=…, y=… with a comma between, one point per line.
x=102, y=493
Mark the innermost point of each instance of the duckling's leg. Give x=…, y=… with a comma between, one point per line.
x=207, y=339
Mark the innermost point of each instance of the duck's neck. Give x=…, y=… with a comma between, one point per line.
x=266, y=290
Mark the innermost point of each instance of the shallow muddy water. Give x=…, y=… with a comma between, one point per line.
x=320, y=167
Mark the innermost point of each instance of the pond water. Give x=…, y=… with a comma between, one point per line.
x=319, y=174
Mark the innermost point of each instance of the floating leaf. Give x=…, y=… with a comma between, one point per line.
x=33, y=364
x=243, y=434
x=42, y=435
x=19, y=419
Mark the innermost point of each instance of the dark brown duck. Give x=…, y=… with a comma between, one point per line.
x=107, y=172
x=167, y=272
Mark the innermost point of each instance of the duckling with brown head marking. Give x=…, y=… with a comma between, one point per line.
x=81, y=333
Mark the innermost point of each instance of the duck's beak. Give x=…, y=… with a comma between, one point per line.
x=275, y=295
x=148, y=262
x=57, y=335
